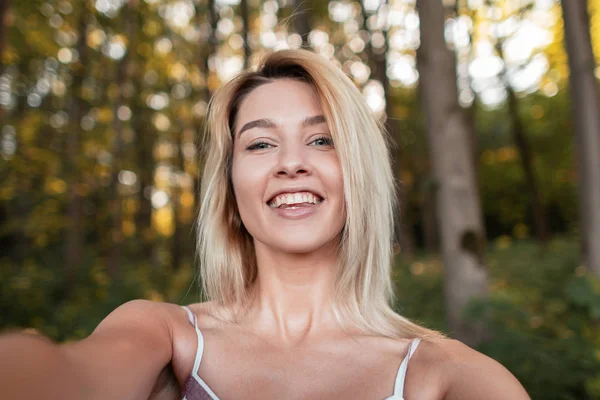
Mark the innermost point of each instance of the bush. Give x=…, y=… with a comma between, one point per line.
x=543, y=314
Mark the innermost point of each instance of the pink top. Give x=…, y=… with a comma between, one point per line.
x=196, y=389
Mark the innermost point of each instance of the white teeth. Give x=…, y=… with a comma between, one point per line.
x=294, y=198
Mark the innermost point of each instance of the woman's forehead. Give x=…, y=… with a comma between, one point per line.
x=281, y=101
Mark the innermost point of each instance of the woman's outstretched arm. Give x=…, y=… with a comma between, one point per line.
x=121, y=359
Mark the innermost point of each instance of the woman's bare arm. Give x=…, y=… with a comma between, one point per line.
x=474, y=376
x=121, y=359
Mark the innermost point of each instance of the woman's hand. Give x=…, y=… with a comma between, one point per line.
x=32, y=366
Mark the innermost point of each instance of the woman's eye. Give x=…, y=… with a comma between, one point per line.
x=259, y=146
x=323, y=141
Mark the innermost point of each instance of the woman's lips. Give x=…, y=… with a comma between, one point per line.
x=296, y=211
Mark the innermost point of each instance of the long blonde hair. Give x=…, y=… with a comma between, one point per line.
x=363, y=288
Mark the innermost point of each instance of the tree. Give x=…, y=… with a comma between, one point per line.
x=585, y=100
x=526, y=156
x=213, y=20
x=4, y=7
x=144, y=140
x=518, y=131
x=457, y=200
x=117, y=237
x=208, y=49
x=75, y=229
x=378, y=58
x=245, y=14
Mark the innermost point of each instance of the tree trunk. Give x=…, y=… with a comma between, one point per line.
x=117, y=237
x=457, y=200
x=536, y=202
x=204, y=68
x=585, y=100
x=430, y=229
x=144, y=158
x=74, y=224
x=4, y=6
x=209, y=46
x=212, y=44
x=177, y=244
x=245, y=14
x=301, y=21
x=144, y=142
x=378, y=60
x=526, y=156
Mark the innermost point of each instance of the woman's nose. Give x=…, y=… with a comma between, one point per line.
x=292, y=162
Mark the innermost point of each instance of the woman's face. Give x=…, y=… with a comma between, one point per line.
x=286, y=174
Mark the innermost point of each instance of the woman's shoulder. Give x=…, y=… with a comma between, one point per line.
x=442, y=350
x=180, y=326
x=452, y=356
x=163, y=318
x=206, y=313
x=464, y=373
x=209, y=314
x=142, y=313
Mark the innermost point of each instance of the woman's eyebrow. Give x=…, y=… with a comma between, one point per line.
x=316, y=120
x=267, y=123
x=259, y=123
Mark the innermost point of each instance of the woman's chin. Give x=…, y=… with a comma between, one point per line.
x=299, y=245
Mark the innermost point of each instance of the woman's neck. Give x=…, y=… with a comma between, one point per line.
x=293, y=293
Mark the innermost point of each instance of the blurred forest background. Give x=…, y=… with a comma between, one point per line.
x=102, y=103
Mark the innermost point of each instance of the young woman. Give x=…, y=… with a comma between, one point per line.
x=295, y=236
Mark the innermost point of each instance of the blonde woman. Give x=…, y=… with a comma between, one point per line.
x=295, y=236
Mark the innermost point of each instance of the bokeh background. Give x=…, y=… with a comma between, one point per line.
x=102, y=103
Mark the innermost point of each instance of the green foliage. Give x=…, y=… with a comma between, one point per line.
x=541, y=314
x=584, y=291
x=503, y=188
x=63, y=308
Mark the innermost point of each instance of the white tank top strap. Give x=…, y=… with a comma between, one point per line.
x=200, y=349
x=401, y=376
x=191, y=315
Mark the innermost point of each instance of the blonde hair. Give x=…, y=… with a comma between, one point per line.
x=363, y=288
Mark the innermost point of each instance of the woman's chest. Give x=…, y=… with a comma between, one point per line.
x=269, y=376
x=238, y=367
x=285, y=383
x=231, y=366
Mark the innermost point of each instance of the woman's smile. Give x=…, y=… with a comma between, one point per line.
x=295, y=205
